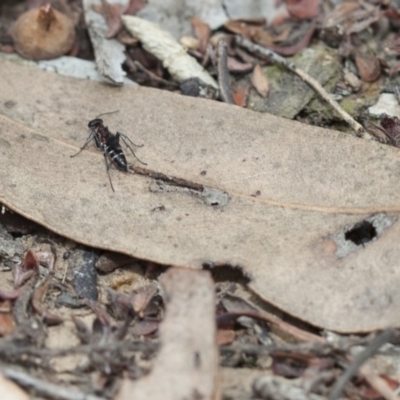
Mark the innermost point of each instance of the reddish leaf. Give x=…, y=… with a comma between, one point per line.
x=37, y=297
x=289, y=367
x=291, y=50
x=302, y=9
x=112, y=14
x=7, y=325
x=30, y=261
x=202, y=32
x=12, y=294
x=369, y=393
x=145, y=327
x=225, y=336
x=141, y=297
x=134, y=6
x=260, y=81
x=368, y=67
x=237, y=66
x=240, y=95
x=246, y=28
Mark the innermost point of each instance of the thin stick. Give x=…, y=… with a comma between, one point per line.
x=223, y=76
x=255, y=48
x=361, y=358
x=134, y=66
x=46, y=389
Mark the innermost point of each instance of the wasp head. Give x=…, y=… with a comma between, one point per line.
x=94, y=123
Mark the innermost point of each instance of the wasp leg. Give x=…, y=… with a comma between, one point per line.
x=88, y=140
x=108, y=171
x=125, y=140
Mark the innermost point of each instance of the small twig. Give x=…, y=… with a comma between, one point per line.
x=136, y=65
x=45, y=388
x=360, y=359
x=170, y=180
x=223, y=76
x=252, y=47
x=9, y=351
x=396, y=91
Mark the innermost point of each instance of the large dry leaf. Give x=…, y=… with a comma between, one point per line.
x=187, y=364
x=293, y=192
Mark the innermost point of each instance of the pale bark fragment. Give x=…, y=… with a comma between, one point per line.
x=187, y=365
x=162, y=44
x=109, y=53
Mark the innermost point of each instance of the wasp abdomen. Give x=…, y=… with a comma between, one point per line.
x=116, y=155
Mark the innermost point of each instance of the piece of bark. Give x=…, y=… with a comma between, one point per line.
x=109, y=53
x=187, y=364
x=160, y=43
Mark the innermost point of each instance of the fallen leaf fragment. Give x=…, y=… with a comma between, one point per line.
x=288, y=238
x=7, y=324
x=112, y=14
x=38, y=294
x=303, y=9
x=368, y=67
x=142, y=296
x=202, y=32
x=246, y=28
x=236, y=66
x=240, y=94
x=186, y=365
x=225, y=336
x=300, y=45
x=260, y=81
x=43, y=33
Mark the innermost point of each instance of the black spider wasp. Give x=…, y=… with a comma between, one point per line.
x=108, y=143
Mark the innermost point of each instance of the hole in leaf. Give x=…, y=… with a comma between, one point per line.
x=361, y=233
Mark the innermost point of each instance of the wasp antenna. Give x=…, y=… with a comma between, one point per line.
x=106, y=113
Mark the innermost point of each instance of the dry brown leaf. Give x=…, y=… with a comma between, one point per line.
x=202, y=32
x=260, y=81
x=225, y=336
x=236, y=66
x=303, y=9
x=247, y=28
x=300, y=45
x=7, y=324
x=285, y=202
x=188, y=358
x=240, y=94
x=368, y=67
x=141, y=297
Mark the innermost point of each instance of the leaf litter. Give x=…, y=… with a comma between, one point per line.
x=58, y=138
x=143, y=308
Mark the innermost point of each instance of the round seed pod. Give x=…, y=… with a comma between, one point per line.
x=43, y=33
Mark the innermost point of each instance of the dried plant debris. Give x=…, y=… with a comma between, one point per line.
x=43, y=33
x=160, y=43
x=288, y=360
